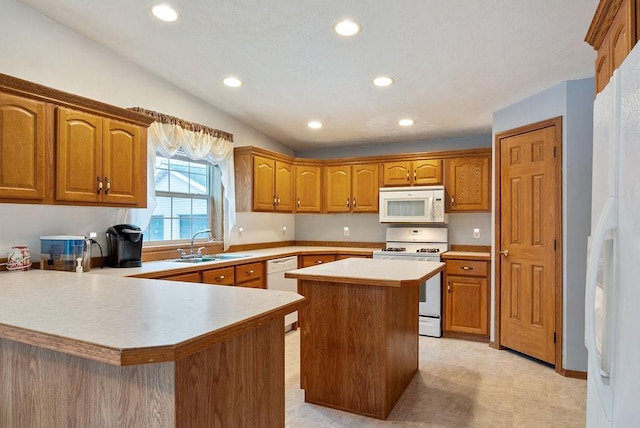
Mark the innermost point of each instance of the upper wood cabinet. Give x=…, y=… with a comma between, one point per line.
x=99, y=160
x=352, y=188
x=22, y=148
x=59, y=148
x=308, y=185
x=423, y=172
x=468, y=186
x=614, y=31
x=272, y=185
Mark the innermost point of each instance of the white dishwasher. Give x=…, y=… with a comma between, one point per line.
x=276, y=281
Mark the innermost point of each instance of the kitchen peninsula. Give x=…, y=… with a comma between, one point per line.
x=359, y=332
x=91, y=350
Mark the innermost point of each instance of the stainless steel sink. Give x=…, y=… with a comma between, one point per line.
x=212, y=258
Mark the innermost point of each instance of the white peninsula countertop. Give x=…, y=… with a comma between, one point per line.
x=379, y=272
x=126, y=321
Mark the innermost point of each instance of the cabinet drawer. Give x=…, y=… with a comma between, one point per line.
x=249, y=272
x=466, y=268
x=317, y=259
x=185, y=277
x=222, y=276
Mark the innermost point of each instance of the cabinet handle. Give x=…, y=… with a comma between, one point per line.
x=466, y=268
x=407, y=175
x=106, y=180
x=415, y=175
x=99, y=185
x=318, y=262
x=221, y=277
x=449, y=287
x=278, y=201
x=354, y=202
x=298, y=202
x=453, y=199
x=250, y=272
x=274, y=201
x=348, y=203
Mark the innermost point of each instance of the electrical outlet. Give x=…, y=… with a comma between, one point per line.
x=284, y=230
x=346, y=231
x=92, y=235
x=476, y=233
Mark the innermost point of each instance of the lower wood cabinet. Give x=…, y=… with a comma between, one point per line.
x=466, y=297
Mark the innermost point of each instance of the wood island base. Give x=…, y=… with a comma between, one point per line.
x=359, y=345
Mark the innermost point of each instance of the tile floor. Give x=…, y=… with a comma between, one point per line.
x=460, y=384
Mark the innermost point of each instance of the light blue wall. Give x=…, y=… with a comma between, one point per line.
x=573, y=100
x=436, y=145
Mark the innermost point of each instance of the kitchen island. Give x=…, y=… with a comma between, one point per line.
x=359, y=332
x=89, y=350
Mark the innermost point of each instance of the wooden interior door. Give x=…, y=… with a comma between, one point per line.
x=529, y=198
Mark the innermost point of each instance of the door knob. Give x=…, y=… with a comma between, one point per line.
x=505, y=253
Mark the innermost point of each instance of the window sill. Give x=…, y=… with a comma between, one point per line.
x=170, y=251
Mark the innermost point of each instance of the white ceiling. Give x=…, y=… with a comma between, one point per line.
x=454, y=62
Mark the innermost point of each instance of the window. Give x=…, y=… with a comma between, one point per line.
x=188, y=195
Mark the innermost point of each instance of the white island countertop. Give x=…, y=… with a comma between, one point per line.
x=124, y=321
x=378, y=272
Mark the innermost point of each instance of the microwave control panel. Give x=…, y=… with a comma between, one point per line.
x=438, y=209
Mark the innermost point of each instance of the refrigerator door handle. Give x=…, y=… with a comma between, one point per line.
x=607, y=223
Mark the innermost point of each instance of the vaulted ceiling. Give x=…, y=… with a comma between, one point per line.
x=454, y=62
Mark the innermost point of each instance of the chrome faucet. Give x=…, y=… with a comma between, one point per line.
x=183, y=253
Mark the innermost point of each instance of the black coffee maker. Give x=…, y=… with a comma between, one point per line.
x=124, y=242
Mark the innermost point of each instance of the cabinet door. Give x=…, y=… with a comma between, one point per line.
x=79, y=157
x=308, y=189
x=396, y=174
x=427, y=172
x=338, y=196
x=466, y=305
x=264, y=190
x=22, y=146
x=468, y=184
x=284, y=187
x=364, y=188
x=123, y=167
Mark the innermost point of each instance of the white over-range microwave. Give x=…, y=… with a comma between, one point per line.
x=412, y=205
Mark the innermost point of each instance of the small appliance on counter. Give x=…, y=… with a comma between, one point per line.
x=124, y=242
x=61, y=252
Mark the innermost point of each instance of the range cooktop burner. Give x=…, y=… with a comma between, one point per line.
x=428, y=250
x=395, y=249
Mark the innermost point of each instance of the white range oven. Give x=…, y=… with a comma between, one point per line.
x=420, y=244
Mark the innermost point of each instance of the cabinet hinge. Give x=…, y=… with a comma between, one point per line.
x=554, y=337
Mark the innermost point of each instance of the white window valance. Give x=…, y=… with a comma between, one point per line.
x=197, y=143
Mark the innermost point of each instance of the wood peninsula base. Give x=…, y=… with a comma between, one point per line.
x=235, y=383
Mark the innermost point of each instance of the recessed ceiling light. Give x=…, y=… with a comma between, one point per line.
x=347, y=28
x=405, y=122
x=383, y=81
x=314, y=124
x=232, y=82
x=164, y=13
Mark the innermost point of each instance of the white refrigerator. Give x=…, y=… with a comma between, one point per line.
x=612, y=304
